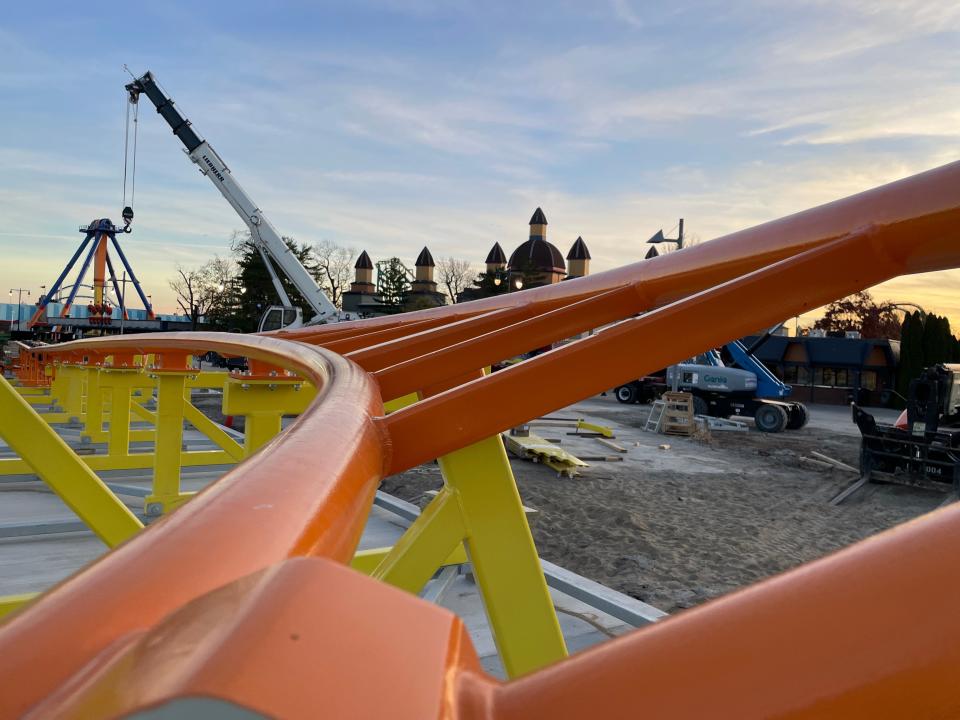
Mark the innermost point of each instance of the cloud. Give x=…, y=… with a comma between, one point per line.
x=624, y=11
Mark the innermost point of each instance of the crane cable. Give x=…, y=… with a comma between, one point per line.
x=126, y=152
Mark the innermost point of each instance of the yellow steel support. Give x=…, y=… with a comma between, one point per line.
x=73, y=380
x=209, y=428
x=504, y=557
x=119, y=383
x=166, y=493
x=366, y=561
x=425, y=545
x=263, y=403
x=135, y=461
x=93, y=416
x=68, y=476
x=9, y=603
x=141, y=412
x=401, y=402
x=480, y=505
x=212, y=379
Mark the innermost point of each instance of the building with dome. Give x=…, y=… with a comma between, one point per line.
x=534, y=263
x=537, y=261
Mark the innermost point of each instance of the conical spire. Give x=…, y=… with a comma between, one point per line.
x=651, y=253
x=364, y=262
x=496, y=256
x=538, y=218
x=425, y=259
x=578, y=251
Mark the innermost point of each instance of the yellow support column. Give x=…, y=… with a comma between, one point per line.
x=171, y=372
x=504, y=557
x=93, y=417
x=263, y=399
x=119, y=379
x=59, y=467
x=75, y=379
x=480, y=505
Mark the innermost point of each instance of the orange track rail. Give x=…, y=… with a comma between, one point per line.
x=242, y=595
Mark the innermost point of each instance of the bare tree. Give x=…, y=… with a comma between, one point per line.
x=333, y=268
x=199, y=290
x=454, y=274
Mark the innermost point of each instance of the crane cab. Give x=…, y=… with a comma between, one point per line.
x=281, y=317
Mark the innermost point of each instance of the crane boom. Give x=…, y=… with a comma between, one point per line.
x=262, y=232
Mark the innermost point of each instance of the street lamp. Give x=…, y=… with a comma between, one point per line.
x=20, y=292
x=518, y=283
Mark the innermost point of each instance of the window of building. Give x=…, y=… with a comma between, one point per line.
x=832, y=377
x=868, y=379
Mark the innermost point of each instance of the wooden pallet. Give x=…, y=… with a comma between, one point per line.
x=678, y=415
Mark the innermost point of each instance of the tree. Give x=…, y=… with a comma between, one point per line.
x=333, y=269
x=486, y=284
x=454, y=274
x=254, y=292
x=925, y=340
x=911, y=351
x=859, y=312
x=392, y=283
x=200, y=290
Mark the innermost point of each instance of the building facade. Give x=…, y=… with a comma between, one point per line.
x=835, y=370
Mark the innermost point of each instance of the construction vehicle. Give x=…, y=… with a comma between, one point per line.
x=264, y=235
x=923, y=445
x=721, y=391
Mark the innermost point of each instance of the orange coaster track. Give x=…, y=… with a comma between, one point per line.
x=242, y=595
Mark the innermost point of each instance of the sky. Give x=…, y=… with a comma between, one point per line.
x=387, y=125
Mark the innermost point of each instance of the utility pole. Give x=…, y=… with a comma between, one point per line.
x=20, y=292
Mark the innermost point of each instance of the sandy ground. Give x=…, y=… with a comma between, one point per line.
x=675, y=527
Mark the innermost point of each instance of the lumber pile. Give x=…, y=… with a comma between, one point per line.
x=537, y=449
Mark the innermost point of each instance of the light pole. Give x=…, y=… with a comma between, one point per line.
x=20, y=292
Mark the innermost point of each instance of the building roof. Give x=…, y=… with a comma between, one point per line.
x=538, y=218
x=827, y=351
x=425, y=259
x=496, y=256
x=364, y=262
x=578, y=251
x=537, y=255
x=651, y=253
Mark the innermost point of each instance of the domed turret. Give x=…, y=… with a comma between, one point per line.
x=578, y=259
x=536, y=262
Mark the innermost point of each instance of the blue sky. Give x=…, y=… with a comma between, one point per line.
x=387, y=125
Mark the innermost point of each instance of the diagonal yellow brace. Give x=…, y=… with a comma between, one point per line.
x=366, y=561
x=214, y=432
x=141, y=412
x=60, y=468
x=424, y=547
x=9, y=603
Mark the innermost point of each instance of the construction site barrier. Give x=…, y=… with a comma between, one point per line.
x=244, y=595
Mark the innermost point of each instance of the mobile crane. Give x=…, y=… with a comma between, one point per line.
x=264, y=235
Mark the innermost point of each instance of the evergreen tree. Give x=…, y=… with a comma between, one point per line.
x=392, y=283
x=911, y=351
x=253, y=293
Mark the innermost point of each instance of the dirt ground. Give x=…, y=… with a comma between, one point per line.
x=675, y=527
